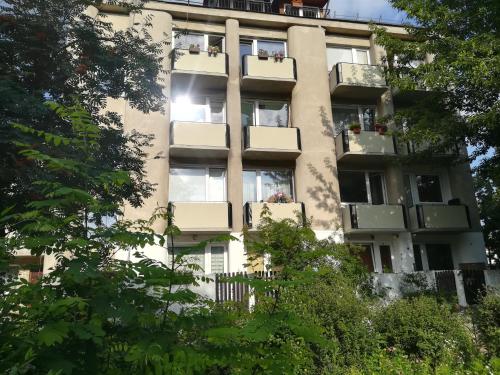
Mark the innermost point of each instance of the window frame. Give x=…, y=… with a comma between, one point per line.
x=256, y=115
x=359, y=108
x=368, y=187
x=207, y=108
x=207, y=254
x=258, y=180
x=354, y=55
x=255, y=48
x=445, y=192
x=207, y=179
x=205, y=38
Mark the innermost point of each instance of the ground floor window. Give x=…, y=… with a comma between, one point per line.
x=439, y=256
x=210, y=259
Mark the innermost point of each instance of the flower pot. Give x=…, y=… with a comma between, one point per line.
x=356, y=130
x=194, y=49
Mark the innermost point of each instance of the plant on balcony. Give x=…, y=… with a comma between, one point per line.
x=263, y=54
x=279, y=56
x=213, y=50
x=279, y=197
x=194, y=48
x=355, y=128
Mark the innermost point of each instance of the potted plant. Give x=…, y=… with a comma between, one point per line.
x=279, y=56
x=262, y=54
x=213, y=50
x=194, y=48
x=279, y=197
x=380, y=126
x=355, y=128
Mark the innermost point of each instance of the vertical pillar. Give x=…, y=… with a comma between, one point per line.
x=155, y=123
x=236, y=249
x=316, y=168
x=233, y=107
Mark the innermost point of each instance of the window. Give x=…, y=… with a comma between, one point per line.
x=184, y=39
x=429, y=188
x=335, y=55
x=264, y=113
x=386, y=258
x=197, y=185
x=217, y=259
x=417, y=255
x=252, y=47
x=198, y=109
x=344, y=116
x=362, y=187
x=260, y=185
x=439, y=256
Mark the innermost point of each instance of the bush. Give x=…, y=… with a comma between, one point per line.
x=423, y=329
x=487, y=322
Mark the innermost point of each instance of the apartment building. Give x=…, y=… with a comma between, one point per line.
x=262, y=102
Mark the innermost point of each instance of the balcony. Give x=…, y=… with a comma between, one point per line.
x=439, y=217
x=279, y=211
x=357, y=81
x=199, y=70
x=194, y=139
x=202, y=216
x=366, y=218
x=268, y=75
x=271, y=143
x=350, y=146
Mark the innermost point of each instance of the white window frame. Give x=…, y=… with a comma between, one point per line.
x=256, y=111
x=207, y=177
x=255, y=49
x=353, y=52
x=208, y=109
x=368, y=188
x=205, y=38
x=445, y=192
x=207, y=269
x=258, y=180
x=359, y=107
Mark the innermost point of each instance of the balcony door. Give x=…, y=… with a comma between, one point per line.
x=183, y=39
x=264, y=113
x=337, y=54
x=346, y=115
x=209, y=109
x=362, y=187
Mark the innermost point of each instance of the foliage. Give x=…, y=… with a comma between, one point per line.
x=54, y=52
x=487, y=322
x=423, y=329
x=453, y=96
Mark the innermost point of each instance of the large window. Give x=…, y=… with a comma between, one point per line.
x=429, y=188
x=366, y=256
x=264, y=113
x=362, y=187
x=260, y=185
x=335, y=55
x=184, y=39
x=198, y=109
x=344, y=116
x=211, y=259
x=197, y=184
x=252, y=47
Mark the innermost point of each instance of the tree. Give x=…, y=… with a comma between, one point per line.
x=459, y=42
x=54, y=52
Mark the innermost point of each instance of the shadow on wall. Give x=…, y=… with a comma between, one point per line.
x=325, y=192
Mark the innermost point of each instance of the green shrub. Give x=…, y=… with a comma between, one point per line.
x=424, y=329
x=487, y=322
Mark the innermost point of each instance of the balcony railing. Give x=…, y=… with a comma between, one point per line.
x=201, y=69
x=279, y=211
x=248, y=5
x=268, y=74
x=198, y=139
x=349, y=80
x=374, y=218
x=269, y=142
x=307, y=12
x=439, y=217
x=201, y=216
x=350, y=145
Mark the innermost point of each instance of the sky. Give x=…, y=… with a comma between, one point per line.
x=373, y=9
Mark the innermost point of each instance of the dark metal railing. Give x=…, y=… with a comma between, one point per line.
x=307, y=12
x=249, y=5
